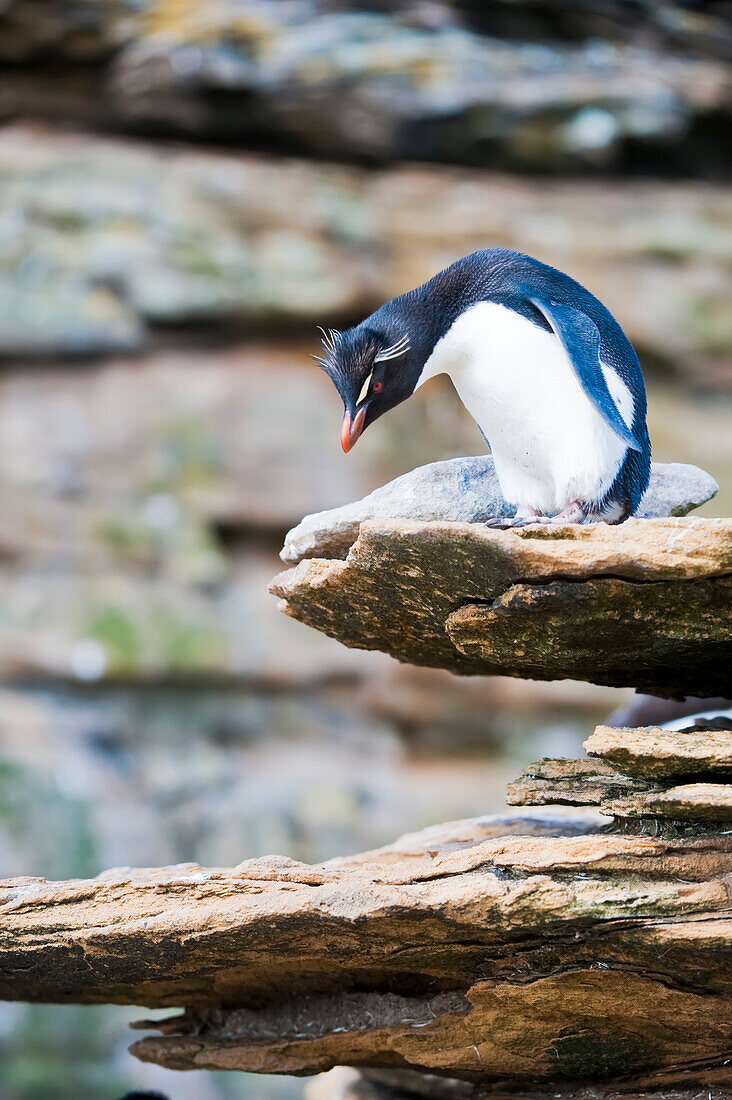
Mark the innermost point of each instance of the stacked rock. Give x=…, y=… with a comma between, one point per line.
x=580, y=954
x=645, y=774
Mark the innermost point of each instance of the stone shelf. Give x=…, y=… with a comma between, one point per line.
x=679, y=776
x=533, y=953
x=646, y=604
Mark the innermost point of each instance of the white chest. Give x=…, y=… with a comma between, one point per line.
x=546, y=436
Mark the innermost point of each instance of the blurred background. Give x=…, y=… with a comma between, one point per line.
x=187, y=187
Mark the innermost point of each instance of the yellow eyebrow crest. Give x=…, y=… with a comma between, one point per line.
x=364, y=389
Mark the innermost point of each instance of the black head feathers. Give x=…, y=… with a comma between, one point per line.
x=369, y=365
x=350, y=357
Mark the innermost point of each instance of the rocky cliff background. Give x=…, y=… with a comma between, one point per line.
x=186, y=189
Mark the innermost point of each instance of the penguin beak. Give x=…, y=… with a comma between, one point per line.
x=351, y=429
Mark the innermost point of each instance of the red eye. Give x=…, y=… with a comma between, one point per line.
x=377, y=386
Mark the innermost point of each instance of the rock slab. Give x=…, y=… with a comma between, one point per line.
x=245, y=242
x=539, y=602
x=665, y=775
x=466, y=490
x=521, y=952
x=340, y=80
x=655, y=753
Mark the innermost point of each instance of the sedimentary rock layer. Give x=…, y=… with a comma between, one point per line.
x=343, y=80
x=211, y=240
x=653, y=753
x=522, y=950
x=587, y=783
x=647, y=603
x=676, y=775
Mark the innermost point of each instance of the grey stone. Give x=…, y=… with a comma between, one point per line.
x=466, y=490
x=676, y=488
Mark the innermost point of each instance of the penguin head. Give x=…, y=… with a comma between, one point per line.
x=373, y=369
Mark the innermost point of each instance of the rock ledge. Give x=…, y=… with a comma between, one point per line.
x=674, y=776
x=507, y=954
x=646, y=604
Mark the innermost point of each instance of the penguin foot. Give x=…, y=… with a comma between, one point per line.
x=524, y=516
x=573, y=513
x=501, y=523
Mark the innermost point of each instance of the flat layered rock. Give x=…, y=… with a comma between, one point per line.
x=583, y=783
x=522, y=951
x=646, y=604
x=571, y=783
x=688, y=802
x=639, y=776
x=654, y=753
x=346, y=83
x=237, y=240
x=466, y=490
x=190, y=238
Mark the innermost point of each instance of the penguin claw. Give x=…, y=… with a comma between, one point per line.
x=502, y=523
x=573, y=513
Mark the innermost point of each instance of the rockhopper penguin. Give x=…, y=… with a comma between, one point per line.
x=542, y=366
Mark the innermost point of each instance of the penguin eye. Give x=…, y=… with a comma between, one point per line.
x=377, y=386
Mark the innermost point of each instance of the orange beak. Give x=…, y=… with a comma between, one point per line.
x=351, y=430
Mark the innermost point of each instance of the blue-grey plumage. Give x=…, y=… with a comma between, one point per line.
x=543, y=367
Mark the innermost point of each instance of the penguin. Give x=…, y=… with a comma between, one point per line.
x=541, y=365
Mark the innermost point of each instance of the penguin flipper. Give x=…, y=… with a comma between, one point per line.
x=580, y=337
